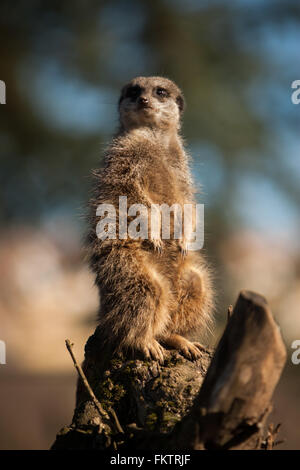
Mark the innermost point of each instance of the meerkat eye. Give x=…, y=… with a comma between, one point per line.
x=162, y=92
x=133, y=92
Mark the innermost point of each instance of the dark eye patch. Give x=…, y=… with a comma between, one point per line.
x=133, y=92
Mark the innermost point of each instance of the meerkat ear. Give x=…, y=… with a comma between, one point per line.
x=181, y=103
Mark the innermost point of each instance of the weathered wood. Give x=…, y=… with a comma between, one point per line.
x=173, y=406
x=234, y=400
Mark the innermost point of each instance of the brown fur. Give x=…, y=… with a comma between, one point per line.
x=151, y=291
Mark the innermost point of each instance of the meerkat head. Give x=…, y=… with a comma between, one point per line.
x=154, y=102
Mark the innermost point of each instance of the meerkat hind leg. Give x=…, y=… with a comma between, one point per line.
x=193, y=308
x=134, y=316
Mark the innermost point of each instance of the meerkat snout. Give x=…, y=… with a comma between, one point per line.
x=143, y=102
x=154, y=102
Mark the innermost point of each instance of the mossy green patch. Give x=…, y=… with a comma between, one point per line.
x=109, y=392
x=151, y=421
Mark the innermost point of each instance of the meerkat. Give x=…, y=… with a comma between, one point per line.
x=153, y=292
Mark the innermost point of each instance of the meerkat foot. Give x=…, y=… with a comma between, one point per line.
x=200, y=346
x=153, y=351
x=189, y=350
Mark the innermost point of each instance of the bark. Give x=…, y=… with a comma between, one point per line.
x=221, y=401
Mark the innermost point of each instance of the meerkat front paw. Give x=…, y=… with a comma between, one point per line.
x=152, y=350
x=157, y=244
x=183, y=246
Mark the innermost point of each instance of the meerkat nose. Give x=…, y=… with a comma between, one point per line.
x=143, y=102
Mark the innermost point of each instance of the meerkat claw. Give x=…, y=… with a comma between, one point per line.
x=153, y=351
x=157, y=245
x=200, y=346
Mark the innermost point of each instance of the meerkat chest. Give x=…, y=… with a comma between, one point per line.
x=164, y=185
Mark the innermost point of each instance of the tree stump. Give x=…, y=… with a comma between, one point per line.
x=220, y=401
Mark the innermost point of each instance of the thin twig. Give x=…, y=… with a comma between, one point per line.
x=117, y=422
x=271, y=435
x=84, y=380
x=98, y=405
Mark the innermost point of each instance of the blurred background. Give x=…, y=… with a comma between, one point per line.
x=63, y=63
